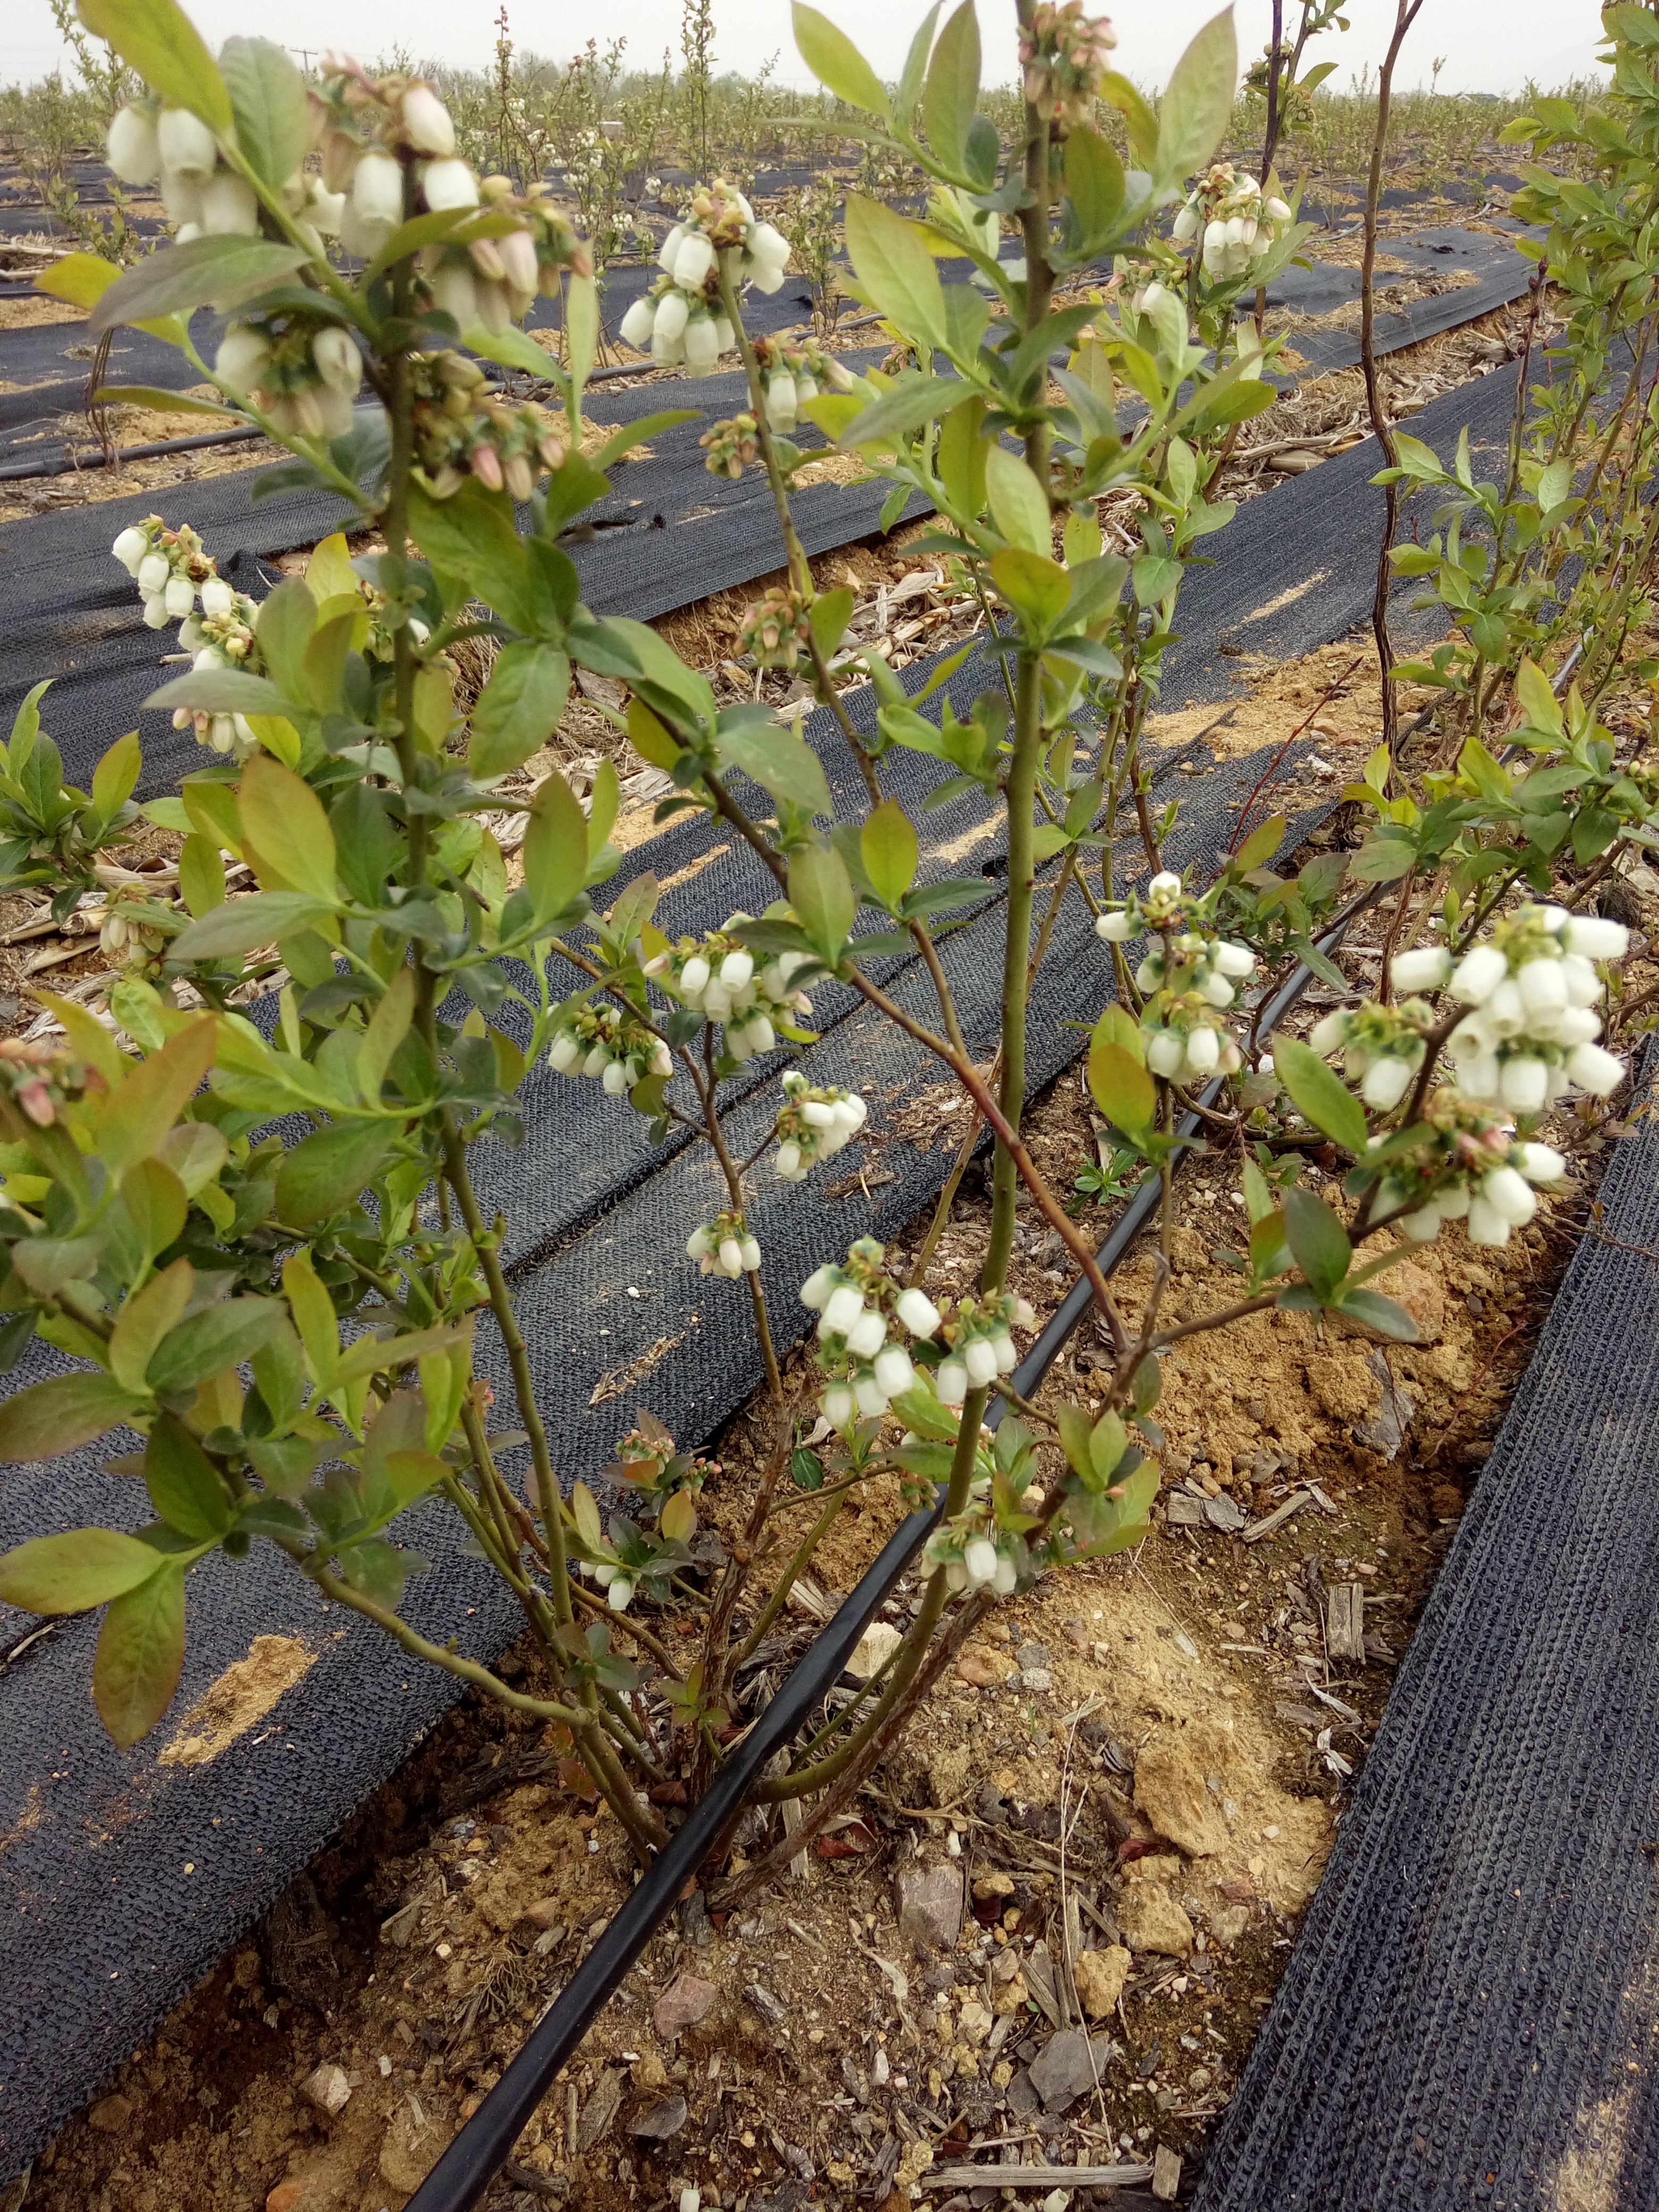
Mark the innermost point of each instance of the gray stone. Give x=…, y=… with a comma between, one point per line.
x=1033, y=1655
x=599, y=2110
x=660, y=2121
x=928, y=1901
x=682, y=2005
x=1038, y=1679
x=1386, y=1430
x=1224, y=1513
x=1062, y=2071
x=1022, y=2099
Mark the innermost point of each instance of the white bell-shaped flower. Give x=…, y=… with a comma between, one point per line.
x=1523, y=1084
x=133, y=149
x=1203, y=1050
x=981, y=1361
x=867, y=1334
x=1386, y=1081
x=815, y=1290
x=1427, y=968
x=427, y=122
x=870, y=1398
x=980, y=1558
x=377, y=190
x=1115, y=929
x=1592, y=936
x=130, y=550
x=1166, y=1054
x=673, y=310
x=1478, y=974
x=918, y=1312
x=951, y=1381
x=181, y=597
x=449, y=183
x=635, y=327
x=1542, y=985
x=185, y=144
x=1486, y=1224
x=230, y=207
x=1509, y=1195
x=701, y=345
x=1595, y=1070
x=840, y=1407
x=841, y=1310
x=694, y=258
x=894, y=1369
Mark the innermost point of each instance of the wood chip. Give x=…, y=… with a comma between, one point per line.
x=1037, y=2177
x=1345, y=1622
x=1292, y=1506
x=1166, y=2174
x=1184, y=1512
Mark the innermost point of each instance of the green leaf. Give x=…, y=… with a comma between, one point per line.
x=887, y=845
x=821, y=892
x=135, y=1118
x=829, y=614
x=581, y=326
x=891, y=259
x=1384, y=1315
x=221, y=691
x=283, y=819
x=178, y=278
x=1119, y=1084
x=201, y=875
x=1197, y=101
x=388, y=1025
x=1094, y=185
x=115, y=775
x=1033, y=585
x=183, y=1486
x=150, y=1315
x=216, y=1338
x=155, y=1196
x=473, y=536
x=1107, y=1441
x=326, y=1171
x=268, y=98
x=518, y=709
x=1019, y=506
x=1319, y=1095
x=1260, y=845
x=241, y=924
x=1075, y=1430
x=836, y=62
x=952, y=87
x=140, y=1654
x=555, y=848
x=82, y=1567
x=1537, y=700
x=1318, y=1241
x=158, y=39
x=782, y=763
x=162, y=401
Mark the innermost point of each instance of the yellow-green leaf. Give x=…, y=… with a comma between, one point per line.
x=283, y=819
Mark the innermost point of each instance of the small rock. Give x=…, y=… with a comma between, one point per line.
x=327, y=2089
x=289, y=2195
x=1415, y=1289
x=600, y=2109
x=1170, y=1790
x=1022, y=2099
x=111, y=2114
x=1227, y=1923
x=1033, y=1655
x=682, y=2005
x=1385, y=1431
x=544, y=1913
x=873, y=1649
x=928, y=1901
x=660, y=2121
x=981, y=1669
x=1100, y=1976
x=1038, y=1679
x=1166, y=2174
x=1199, y=2079
x=1061, y=2071
x=1153, y=1921
x=988, y=1886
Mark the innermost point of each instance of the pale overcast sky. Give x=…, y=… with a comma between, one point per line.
x=1489, y=45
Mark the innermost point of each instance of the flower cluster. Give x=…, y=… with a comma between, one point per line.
x=126, y=934
x=172, y=569
x=650, y=1461
x=681, y=318
x=1531, y=987
x=1382, y=1047
x=718, y=976
x=792, y=374
x=37, y=1075
x=975, y=1553
x=856, y=1305
x=608, y=1044
x=982, y=1346
x=1188, y=979
x=299, y=368
x=724, y=1246
x=1064, y=55
x=814, y=1124
x=463, y=428
x=1468, y=1167
x=1237, y=223
x=494, y=281
x=175, y=151
x=776, y=628
x=731, y=445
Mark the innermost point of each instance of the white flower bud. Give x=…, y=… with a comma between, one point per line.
x=130, y=549
x=841, y=1310
x=693, y=977
x=217, y=598
x=156, y=610
x=1542, y=1163
x=956, y=1575
x=736, y=971
x=230, y=207
x=671, y=246
x=1327, y=1033
x=1595, y=1070
x=1478, y=1078
x=153, y=572
x=765, y=275
x=787, y=1162
x=673, y=311
x=780, y=401
x=1166, y=1054
x=702, y=345
x=180, y=596
x=242, y=358
x=768, y=245
x=1583, y=984
x=730, y=1257
x=693, y=260
x=1427, y=969
x=1509, y=1195
x=1524, y=1085
x=1478, y=974
x=133, y=149
x=894, y=1372
x=1386, y=1081
x=561, y=1057
x=1423, y=1226
x=840, y=1407
x=1185, y=226
x=635, y=327
x=918, y=1312
x=981, y=1361
x=338, y=361
x=448, y=184
x=851, y=1111
x=815, y=1290
x=867, y=1335
x=598, y=1060
x=980, y=1559
x=1506, y=1011
x=1005, y=1578
x=1234, y=960
x=870, y=1397
x=1594, y=937
x=1486, y=1224
x=1113, y=927
x=1150, y=973
x=426, y=121
x=1542, y=985
x=377, y=190
x=185, y=145
x=1203, y=1050
x=615, y=1079
x=620, y=1595
x=1006, y=1358
x=762, y=1036
x=951, y=1381
x=1215, y=990
x=603, y=1574
x=1276, y=209
x=1165, y=882
x=455, y=293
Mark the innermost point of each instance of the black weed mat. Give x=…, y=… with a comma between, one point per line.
x=1468, y=2015
x=125, y=1876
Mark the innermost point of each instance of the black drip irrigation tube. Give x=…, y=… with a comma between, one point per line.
x=72, y=463
x=477, y=2153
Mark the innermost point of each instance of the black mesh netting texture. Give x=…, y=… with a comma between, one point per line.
x=1468, y=2014
x=101, y=1927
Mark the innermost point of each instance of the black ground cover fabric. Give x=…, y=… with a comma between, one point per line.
x=101, y=1929
x=1469, y=2013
